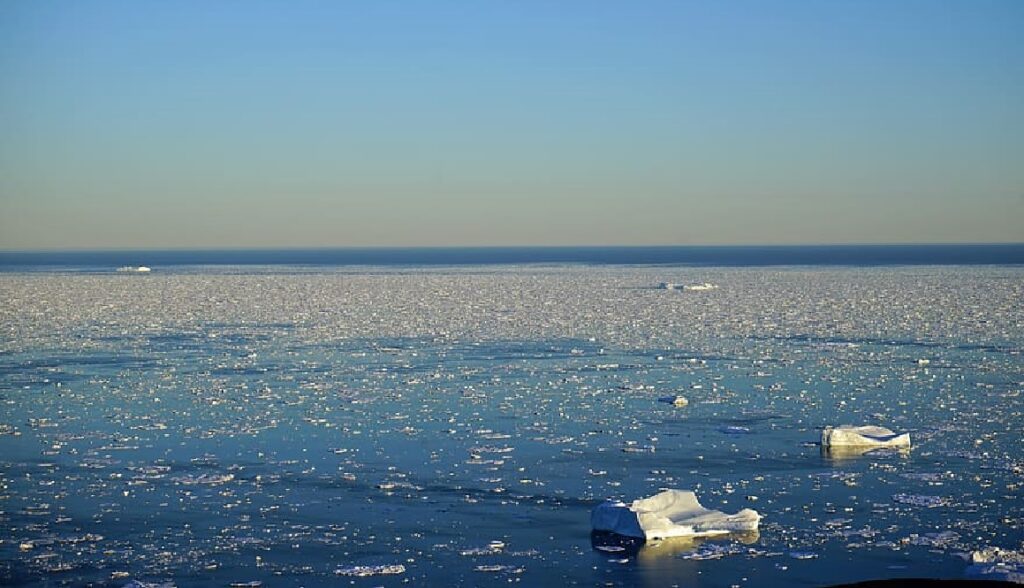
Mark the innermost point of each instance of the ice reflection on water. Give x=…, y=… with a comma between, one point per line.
x=456, y=427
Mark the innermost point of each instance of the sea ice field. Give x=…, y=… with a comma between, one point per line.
x=455, y=426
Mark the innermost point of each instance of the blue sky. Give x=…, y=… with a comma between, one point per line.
x=266, y=124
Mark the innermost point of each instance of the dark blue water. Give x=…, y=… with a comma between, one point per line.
x=817, y=255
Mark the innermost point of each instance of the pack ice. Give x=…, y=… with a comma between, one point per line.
x=672, y=513
x=870, y=436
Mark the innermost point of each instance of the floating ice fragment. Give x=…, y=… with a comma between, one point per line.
x=706, y=551
x=633, y=448
x=943, y=539
x=921, y=500
x=209, y=479
x=492, y=548
x=711, y=551
x=500, y=568
x=364, y=571
x=735, y=430
x=931, y=478
x=610, y=548
x=672, y=513
x=870, y=436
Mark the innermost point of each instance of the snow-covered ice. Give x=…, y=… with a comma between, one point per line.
x=865, y=436
x=671, y=513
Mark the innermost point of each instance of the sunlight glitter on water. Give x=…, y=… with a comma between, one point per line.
x=448, y=426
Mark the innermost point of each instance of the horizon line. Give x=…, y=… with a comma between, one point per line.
x=506, y=247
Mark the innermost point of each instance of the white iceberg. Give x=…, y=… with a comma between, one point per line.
x=993, y=563
x=866, y=437
x=672, y=513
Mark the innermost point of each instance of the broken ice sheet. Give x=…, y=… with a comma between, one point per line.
x=944, y=539
x=364, y=571
x=922, y=500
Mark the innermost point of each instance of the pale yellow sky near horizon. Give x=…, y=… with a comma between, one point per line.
x=148, y=125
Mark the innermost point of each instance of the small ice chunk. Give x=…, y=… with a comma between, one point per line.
x=921, y=500
x=866, y=436
x=941, y=540
x=364, y=571
x=499, y=568
x=672, y=513
x=209, y=479
x=735, y=430
x=709, y=551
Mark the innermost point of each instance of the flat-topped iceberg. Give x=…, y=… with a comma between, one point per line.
x=672, y=513
x=866, y=437
x=700, y=287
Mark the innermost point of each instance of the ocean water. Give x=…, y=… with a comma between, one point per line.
x=716, y=256
x=304, y=425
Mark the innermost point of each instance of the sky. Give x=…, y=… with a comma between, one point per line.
x=244, y=123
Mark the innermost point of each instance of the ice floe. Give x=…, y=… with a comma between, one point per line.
x=364, y=571
x=921, y=500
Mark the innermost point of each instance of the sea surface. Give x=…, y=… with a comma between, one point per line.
x=718, y=256
x=295, y=423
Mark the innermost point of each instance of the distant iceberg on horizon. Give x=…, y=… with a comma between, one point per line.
x=690, y=287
